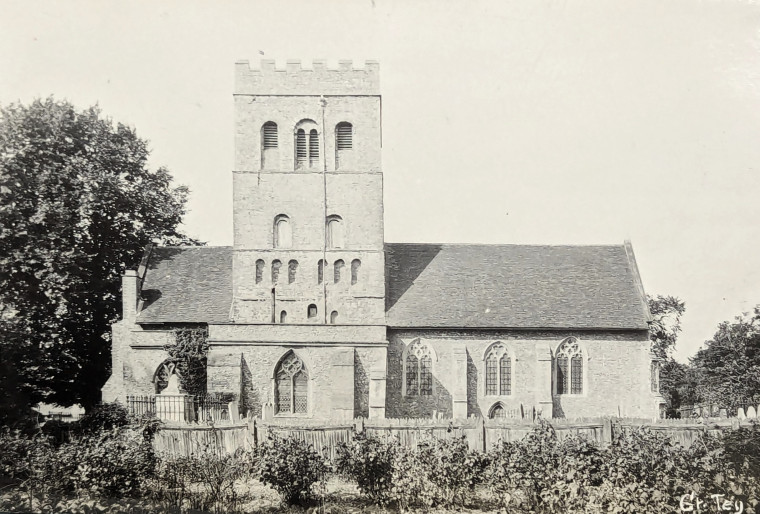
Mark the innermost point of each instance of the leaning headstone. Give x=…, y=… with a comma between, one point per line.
x=751, y=412
x=740, y=413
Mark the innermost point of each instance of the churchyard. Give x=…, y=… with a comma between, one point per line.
x=113, y=462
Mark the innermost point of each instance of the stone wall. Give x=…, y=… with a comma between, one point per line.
x=616, y=374
x=339, y=376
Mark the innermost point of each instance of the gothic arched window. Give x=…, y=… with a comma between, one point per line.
x=292, y=268
x=569, y=367
x=498, y=371
x=291, y=386
x=418, y=369
x=283, y=237
x=334, y=232
x=497, y=412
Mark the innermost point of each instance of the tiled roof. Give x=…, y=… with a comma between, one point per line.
x=187, y=284
x=513, y=286
x=430, y=285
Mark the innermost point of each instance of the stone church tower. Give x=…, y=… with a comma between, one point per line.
x=310, y=314
x=308, y=258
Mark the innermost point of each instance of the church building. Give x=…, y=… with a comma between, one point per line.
x=311, y=313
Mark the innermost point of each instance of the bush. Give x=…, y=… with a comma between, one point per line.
x=292, y=468
x=103, y=417
x=453, y=469
x=368, y=460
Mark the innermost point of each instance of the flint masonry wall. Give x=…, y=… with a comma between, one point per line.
x=616, y=372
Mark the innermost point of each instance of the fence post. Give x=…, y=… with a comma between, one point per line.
x=483, y=429
x=607, y=431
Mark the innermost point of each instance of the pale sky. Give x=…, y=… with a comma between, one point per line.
x=554, y=122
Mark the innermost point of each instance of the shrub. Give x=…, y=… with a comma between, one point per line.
x=103, y=417
x=368, y=460
x=292, y=468
x=453, y=469
x=521, y=472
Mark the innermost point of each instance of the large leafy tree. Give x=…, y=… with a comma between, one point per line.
x=663, y=333
x=78, y=203
x=728, y=365
x=666, y=323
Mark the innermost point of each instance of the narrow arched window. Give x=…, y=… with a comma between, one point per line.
x=320, y=271
x=344, y=144
x=569, y=367
x=334, y=317
x=275, y=270
x=269, y=145
x=313, y=148
x=283, y=316
x=259, y=271
x=418, y=370
x=302, y=154
x=498, y=371
x=292, y=268
x=283, y=237
x=291, y=386
x=311, y=312
x=307, y=145
x=356, y=264
x=334, y=232
x=337, y=268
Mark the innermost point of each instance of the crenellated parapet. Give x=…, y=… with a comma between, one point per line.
x=296, y=79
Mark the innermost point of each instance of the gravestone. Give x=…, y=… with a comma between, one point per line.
x=173, y=404
x=751, y=412
x=740, y=413
x=723, y=413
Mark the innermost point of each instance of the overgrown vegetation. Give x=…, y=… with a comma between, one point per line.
x=114, y=469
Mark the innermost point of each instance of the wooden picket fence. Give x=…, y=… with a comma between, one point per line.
x=481, y=434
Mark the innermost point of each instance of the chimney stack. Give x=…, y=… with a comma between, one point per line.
x=130, y=292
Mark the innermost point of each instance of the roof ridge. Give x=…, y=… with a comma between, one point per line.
x=600, y=245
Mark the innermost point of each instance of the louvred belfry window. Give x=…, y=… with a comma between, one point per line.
x=269, y=144
x=569, y=367
x=301, y=151
x=313, y=148
x=344, y=144
x=269, y=135
x=291, y=386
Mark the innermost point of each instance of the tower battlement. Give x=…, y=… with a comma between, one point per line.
x=296, y=79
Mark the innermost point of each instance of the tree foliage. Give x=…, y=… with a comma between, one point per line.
x=78, y=203
x=666, y=323
x=189, y=353
x=729, y=364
